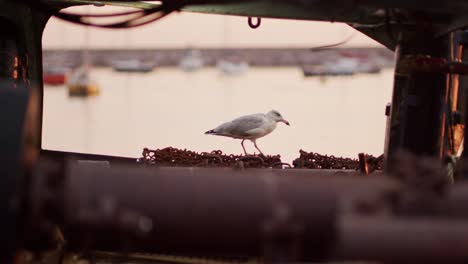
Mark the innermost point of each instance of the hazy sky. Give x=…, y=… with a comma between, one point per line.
x=180, y=30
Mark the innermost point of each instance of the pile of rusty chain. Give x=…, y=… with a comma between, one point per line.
x=311, y=160
x=173, y=157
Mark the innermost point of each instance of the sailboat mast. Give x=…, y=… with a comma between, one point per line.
x=85, y=49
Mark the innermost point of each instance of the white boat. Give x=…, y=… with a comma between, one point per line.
x=368, y=67
x=342, y=66
x=232, y=66
x=191, y=61
x=132, y=65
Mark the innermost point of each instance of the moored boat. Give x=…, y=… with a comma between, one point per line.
x=55, y=75
x=80, y=84
x=132, y=65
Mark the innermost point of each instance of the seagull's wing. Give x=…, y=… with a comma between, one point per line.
x=243, y=126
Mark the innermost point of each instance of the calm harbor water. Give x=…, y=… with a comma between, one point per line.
x=340, y=116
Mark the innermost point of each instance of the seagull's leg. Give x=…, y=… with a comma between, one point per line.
x=255, y=144
x=242, y=143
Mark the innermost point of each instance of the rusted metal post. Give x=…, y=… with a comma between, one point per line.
x=463, y=40
x=457, y=95
x=363, y=165
x=419, y=103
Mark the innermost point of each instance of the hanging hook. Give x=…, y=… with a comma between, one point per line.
x=256, y=25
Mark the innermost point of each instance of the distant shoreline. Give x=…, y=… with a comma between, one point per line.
x=254, y=56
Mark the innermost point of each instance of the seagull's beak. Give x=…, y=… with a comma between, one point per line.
x=284, y=121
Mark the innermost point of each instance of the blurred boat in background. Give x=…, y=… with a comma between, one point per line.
x=342, y=66
x=80, y=83
x=133, y=65
x=232, y=65
x=55, y=75
x=191, y=61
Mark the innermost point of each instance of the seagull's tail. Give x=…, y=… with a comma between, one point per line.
x=210, y=132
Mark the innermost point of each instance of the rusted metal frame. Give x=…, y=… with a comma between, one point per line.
x=418, y=111
x=454, y=66
x=412, y=64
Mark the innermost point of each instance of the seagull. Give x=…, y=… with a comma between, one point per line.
x=249, y=127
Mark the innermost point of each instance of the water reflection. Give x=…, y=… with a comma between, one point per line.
x=169, y=107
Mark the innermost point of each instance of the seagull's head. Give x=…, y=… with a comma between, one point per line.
x=275, y=115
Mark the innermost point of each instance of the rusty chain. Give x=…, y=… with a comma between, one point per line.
x=174, y=157
x=312, y=160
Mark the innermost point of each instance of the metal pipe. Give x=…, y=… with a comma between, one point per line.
x=215, y=212
x=281, y=215
x=454, y=204
x=416, y=240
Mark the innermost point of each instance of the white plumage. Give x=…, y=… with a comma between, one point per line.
x=250, y=127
